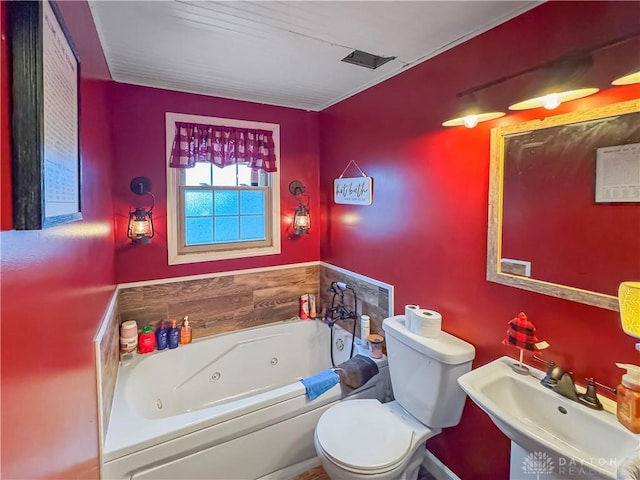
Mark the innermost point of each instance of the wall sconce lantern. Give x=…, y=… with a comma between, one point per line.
x=301, y=217
x=140, y=229
x=301, y=220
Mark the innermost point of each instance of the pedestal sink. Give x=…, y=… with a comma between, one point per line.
x=558, y=438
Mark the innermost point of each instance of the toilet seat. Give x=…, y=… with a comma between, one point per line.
x=363, y=436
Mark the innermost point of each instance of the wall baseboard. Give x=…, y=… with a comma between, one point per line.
x=104, y=323
x=437, y=468
x=364, y=278
x=203, y=276
x=185, y=278
x=97, y=344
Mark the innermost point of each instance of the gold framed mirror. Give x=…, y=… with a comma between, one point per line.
x=564, y=204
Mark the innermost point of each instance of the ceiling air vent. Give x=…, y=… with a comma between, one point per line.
x=368, y=60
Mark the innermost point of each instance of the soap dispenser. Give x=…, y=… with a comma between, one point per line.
x=628, y=397
x=185, y=331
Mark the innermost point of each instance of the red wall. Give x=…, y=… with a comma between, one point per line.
x=426, y=230
x=55, y=287
x=138, y=118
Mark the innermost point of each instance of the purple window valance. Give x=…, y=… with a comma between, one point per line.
x=222, y=146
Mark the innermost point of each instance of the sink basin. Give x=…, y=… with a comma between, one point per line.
x=539, y=420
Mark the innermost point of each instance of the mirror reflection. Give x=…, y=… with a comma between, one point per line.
x=567, y=219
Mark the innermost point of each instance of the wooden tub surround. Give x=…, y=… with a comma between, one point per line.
x=223, y=303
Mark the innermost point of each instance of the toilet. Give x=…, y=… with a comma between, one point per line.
x=366, y=439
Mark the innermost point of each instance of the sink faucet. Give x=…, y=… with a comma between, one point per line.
x=566, y=387
x=560, y=381
x=553, y=372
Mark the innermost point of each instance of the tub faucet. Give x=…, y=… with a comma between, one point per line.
x=340, y=311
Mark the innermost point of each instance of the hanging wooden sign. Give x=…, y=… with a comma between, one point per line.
x=353, y=191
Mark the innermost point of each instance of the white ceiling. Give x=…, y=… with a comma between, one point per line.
x=282, y=53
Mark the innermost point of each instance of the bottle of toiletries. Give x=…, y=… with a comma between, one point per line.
x=147, y=340
x=365, y=329
x=304, y=307
x=313, y=313
x=162, y=332
x=174, y=335
x=628, y=397
x=185, y=331
x=128, y=336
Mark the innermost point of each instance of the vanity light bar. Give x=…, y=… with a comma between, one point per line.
x=563, y=68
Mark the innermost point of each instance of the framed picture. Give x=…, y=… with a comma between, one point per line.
x=618, y=174
x=45, y=119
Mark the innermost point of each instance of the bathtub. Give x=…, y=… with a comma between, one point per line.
x=228, y=406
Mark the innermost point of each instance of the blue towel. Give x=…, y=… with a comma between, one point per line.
x=320, y=383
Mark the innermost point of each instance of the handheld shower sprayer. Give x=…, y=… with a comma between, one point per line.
x=340, y=311
x=338, y=288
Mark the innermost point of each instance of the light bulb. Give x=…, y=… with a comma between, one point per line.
x=551, y=101
x=471, y=121
x=302, y=220
x=141, y=227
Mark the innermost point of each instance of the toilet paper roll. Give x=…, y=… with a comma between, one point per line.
x=426, y=323
x=408, y=314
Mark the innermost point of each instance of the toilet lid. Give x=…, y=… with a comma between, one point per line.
x=363, y=434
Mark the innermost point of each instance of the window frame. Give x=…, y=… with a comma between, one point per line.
x=181, y=254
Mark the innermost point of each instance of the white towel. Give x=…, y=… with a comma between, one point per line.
x=630, y=468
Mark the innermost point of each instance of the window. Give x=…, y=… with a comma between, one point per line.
x=218, y=213
x=222, y=207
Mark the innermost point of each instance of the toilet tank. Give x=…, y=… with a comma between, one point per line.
x=424, y=372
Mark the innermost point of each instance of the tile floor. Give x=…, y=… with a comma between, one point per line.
x=318, y=473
